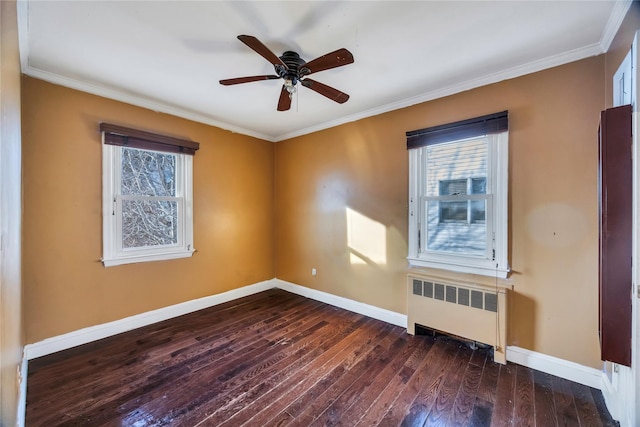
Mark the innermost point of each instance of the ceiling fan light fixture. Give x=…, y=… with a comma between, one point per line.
x=290, y=86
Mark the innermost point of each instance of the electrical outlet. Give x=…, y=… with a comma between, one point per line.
x=313, y=272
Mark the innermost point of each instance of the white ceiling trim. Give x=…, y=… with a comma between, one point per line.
x=22, y=13
x=532, y=67
x=620, y=9
x=149, y=104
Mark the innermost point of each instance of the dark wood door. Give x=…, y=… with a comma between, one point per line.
x=615, y=209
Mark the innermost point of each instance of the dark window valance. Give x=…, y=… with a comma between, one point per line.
x=485, y=125
x=133, y=138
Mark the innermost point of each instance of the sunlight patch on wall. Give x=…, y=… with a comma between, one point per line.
x=366, y=238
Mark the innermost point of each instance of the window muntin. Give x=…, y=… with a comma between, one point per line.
x=147, y=205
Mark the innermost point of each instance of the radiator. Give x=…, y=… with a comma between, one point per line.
x=467, y=310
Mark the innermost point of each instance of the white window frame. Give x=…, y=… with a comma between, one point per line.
x=112, y=251
x=496, y=215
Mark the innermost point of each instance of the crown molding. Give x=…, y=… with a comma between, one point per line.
x=139, y=101
x=620, y=9
x=520, y=70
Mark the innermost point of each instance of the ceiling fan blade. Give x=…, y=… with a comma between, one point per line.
x=284, y=103
x=331, y=93
x=262, y=50
x=334, y=59
x=239, y=80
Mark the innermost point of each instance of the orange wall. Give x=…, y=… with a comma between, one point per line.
x=363, y=166
x=66, y=287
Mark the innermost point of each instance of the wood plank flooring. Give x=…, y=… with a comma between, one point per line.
x=275, y=359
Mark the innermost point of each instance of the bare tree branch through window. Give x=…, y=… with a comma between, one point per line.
x=149, y=215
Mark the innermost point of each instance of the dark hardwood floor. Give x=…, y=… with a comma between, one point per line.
x=276, y=358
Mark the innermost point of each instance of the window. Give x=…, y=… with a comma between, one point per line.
x=458, y=196
x=147, y=196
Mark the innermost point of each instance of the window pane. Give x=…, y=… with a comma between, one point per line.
x=478, y=209
x=450, y=166
x=455, y=236
x=453, y=186
x=149, y=223
x=456, y=169
x=148, y=173
x=478, y=185
x=453, y=211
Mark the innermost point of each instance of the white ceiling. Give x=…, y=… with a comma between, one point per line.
x=169, y=55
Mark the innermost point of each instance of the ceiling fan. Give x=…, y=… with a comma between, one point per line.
x=294, y=69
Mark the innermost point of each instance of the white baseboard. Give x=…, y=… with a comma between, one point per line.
x=619, y=395
x=610, y=396
x=22, y=391
x=94, y=333
x=555, y=366
x=378, y=313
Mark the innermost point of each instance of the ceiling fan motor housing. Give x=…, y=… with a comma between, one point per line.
x=295, y=67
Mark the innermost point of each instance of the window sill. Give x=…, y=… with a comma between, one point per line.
x=479, y=267
x=110, y=262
